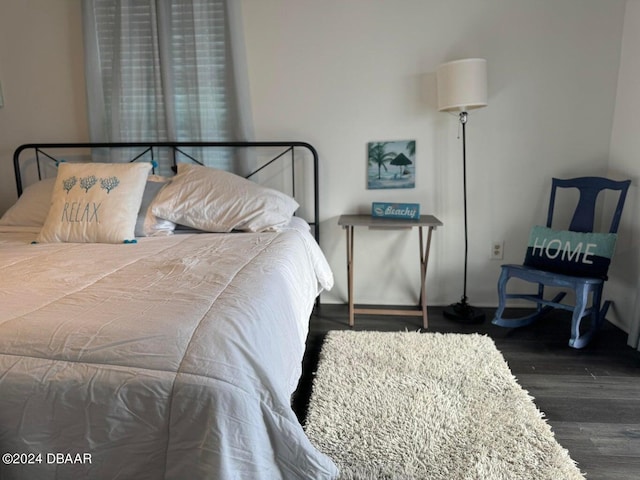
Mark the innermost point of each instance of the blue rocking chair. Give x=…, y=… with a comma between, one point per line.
x=575, y=259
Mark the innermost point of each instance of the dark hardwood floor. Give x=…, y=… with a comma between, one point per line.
x=591, y=397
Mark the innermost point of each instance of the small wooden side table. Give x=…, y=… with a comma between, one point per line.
x=349, y=222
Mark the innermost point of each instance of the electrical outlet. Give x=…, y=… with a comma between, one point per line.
x=496, y=250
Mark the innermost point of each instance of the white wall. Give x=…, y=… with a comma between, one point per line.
x=341, y=73
x=41, y=71
x=624, y=285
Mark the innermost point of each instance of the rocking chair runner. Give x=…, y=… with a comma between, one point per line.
x=582, y=283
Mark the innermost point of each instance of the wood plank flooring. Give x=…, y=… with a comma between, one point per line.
x=591, y=397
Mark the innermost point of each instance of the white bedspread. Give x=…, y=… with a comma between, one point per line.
x=174, y=358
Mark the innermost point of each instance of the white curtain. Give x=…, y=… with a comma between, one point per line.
x=167, y=70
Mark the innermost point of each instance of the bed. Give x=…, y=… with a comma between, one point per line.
x=169, y=354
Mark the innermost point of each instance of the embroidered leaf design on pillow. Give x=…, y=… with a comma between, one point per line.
x=68, y=183
x=109, y=183
x=87, y=182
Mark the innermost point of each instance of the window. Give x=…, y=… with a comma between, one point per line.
x=160, y=70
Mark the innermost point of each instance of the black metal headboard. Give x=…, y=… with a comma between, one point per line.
x=41, y=154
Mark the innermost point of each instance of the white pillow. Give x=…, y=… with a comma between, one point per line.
x=147, y=224
x=95, y=202
x=217, y=201
x=32, y=206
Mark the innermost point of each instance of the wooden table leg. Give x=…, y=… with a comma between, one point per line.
x=424, y=258
x=349, y=230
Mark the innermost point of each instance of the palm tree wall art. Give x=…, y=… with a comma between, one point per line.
x=400, y=156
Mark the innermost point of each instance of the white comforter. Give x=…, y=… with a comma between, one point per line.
x=174, y=358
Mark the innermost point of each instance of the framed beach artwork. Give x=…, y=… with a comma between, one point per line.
x=391, y=164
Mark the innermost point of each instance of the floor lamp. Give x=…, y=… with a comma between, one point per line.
x=462, y=86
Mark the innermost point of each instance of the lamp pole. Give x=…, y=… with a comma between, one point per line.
x=463, y=121
x=462, y=311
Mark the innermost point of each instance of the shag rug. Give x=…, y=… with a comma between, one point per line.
x=409, y=405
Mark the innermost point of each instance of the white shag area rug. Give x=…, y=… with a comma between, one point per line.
x=409, y=405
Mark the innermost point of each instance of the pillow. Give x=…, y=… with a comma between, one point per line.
x=95, y=202
x=147, y=224
x=32, y=206
x=570, y=253
x=217, y=201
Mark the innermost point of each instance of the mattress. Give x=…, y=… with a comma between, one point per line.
x=172, y=358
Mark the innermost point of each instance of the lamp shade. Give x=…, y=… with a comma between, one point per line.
x=462, y=85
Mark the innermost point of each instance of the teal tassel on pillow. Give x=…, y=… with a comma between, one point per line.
x=130, y=241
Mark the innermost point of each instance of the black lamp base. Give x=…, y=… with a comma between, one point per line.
x=462, y=312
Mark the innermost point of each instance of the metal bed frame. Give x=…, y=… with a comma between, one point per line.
x=51, y=151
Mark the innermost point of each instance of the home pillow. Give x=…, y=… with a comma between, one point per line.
x=31, y=208
x=570, y=253
x=217, y=201
x=147, y=224
x=95, y=202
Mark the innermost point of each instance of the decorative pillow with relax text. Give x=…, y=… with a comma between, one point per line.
x=570, y=253
x=95, y=202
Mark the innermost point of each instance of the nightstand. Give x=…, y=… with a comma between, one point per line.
x=428, y=222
